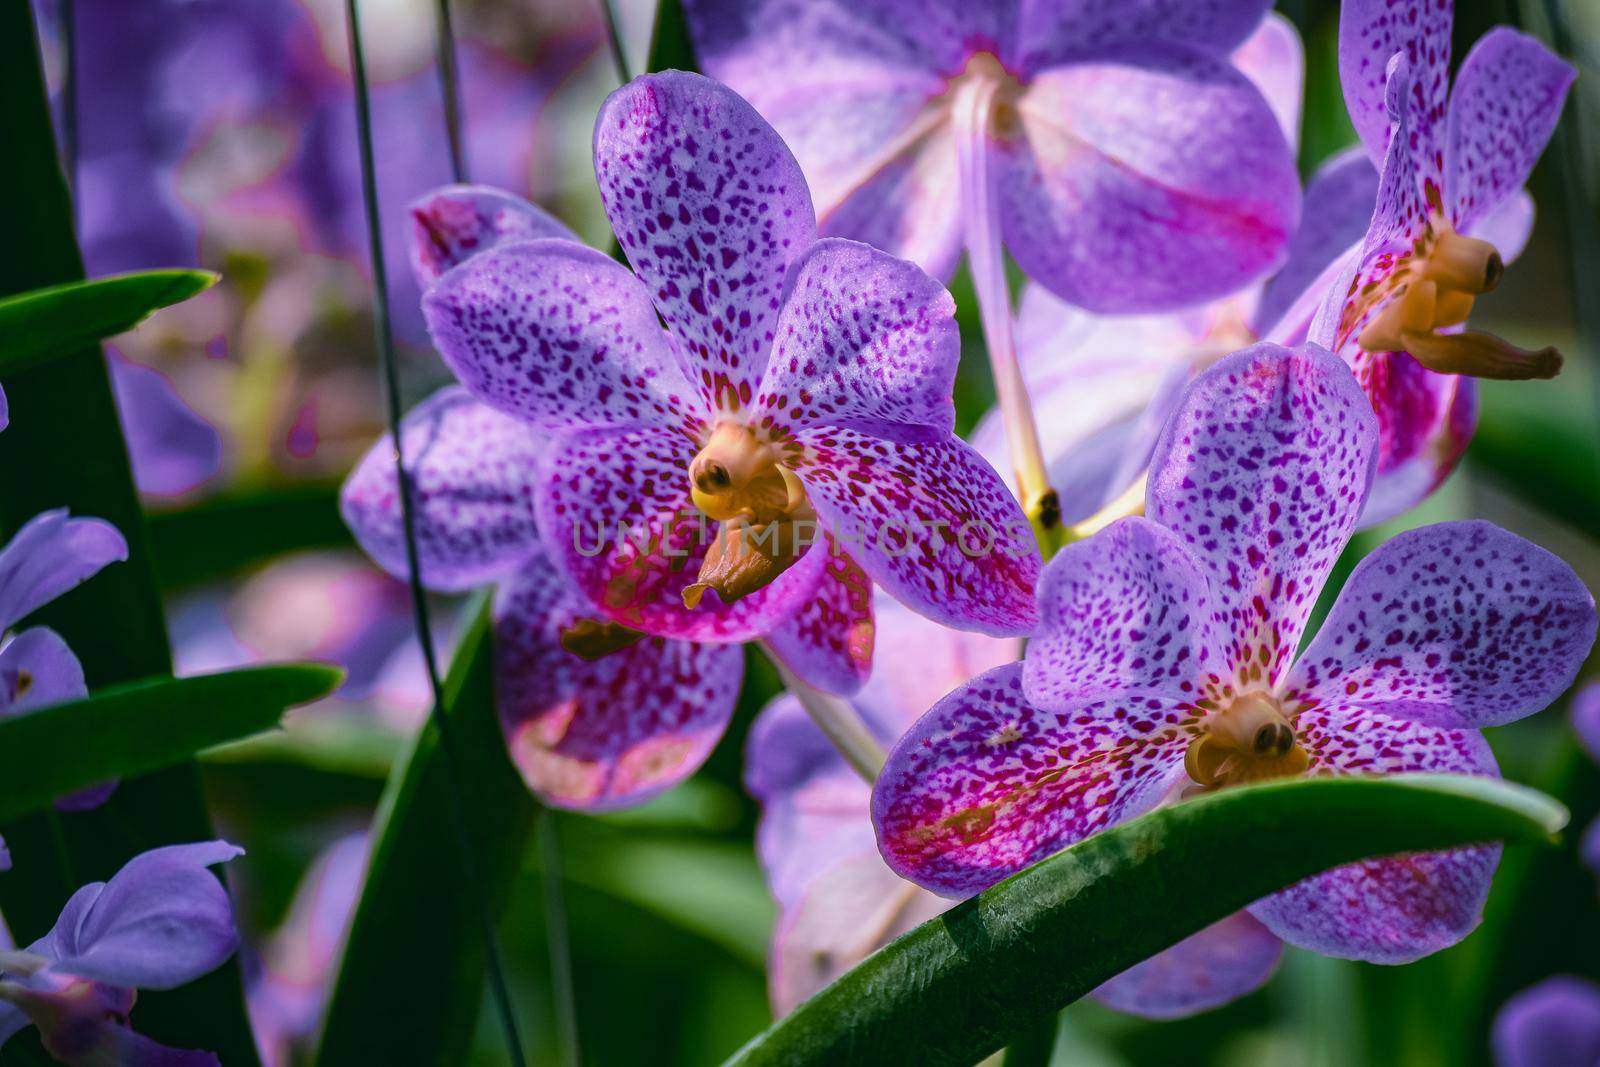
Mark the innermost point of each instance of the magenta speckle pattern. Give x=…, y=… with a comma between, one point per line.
x=711, y=209
x=985, y=784
x=1122, y=612
x=1508, y=97
x=472, y=476
x=829, y=641
x=933, y=524
x=1458, y=625
x=615, y=511
x=609, y=733
x=455, y=222
x=561, y=336
x=865, y=341
x=1373, y=31
x=1263, y=470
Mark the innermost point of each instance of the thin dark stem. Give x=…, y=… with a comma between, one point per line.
x=69, y=98
x=614, y=35
x=450, y=90
x=555, y=910
x=419, y=603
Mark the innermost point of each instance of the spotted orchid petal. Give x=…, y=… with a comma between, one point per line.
x=1055, y=33
x=829, y=641
x=600, y=734
x=38, y=669
x=1338, y=207
x=50, y=555
x=711, y=209
x=161, y=921
x=864, y=341
x=1371, y=32
x=558, y=335
x=1508, y=96
x=617, y=517
x=1153, y=178
x=1123, y=612
x=472, y=471
x=1425, y=422
x=853, y=908
x=933, y=524
x=985, y=783
x=172, y=449
x=1459, y=625
x=1398, y=908
x=1553, y=1023
x=453, y=223
x=1262, y=471
x=1223, y=962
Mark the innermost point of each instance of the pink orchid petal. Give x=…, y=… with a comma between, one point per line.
x=1153, y=178
x=711, y=209
x=1425, y=421
x=1507, y=226
x=1459, y=625
x=1223, y=962
x=453, y=223
x=472, y=474
x=1123, y=612
x=558, y=335
x=908, y=203
x=1398, y=908
x=617, y=518
x=864, y=341
x=1508, y=96
x=916, y=661
x=1372, y=31
x=933, y=524
x=1275, y=62
x=829, y=641
x=612, y=732
x=985, y=784
x=1263, y=471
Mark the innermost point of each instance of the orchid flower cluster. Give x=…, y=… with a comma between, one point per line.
x=747, y=435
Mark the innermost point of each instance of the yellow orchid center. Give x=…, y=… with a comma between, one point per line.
x=1433, y=288
x=1249, y=740
x=767, y=523
x=995, y=92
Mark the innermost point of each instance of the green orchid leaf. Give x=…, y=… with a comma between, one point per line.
x=985, y=973
x=61, y=319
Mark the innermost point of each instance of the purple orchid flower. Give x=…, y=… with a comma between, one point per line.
x=1450, y=214
x=837, y=900
x=1112, y=150
x=160, y=922
x=800, y=386
x=596, y=716
x=1553, y=1024
x=288, y=996
x=172, y=449
x=1165, y=663
x=1586, y=723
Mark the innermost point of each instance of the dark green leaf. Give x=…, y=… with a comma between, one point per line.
x=959, y=987
x=124, y=730
x=671, y=47
x=62, y=319
x=64, y=448
x=243, y=528
x=411, y=979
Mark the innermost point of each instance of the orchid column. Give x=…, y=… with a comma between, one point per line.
x=1111, y=149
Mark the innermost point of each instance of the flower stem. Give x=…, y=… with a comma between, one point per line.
x=971, y=111
x=836, y=718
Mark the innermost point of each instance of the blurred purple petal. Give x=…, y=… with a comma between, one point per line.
x=172, y=449
x=1553, y=1024
x=1223, y=962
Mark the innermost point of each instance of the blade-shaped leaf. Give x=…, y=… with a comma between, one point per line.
x=959, y=987
x=64, y=448
x=409, y=985
x=241, y=528
x=62, y=319
x=124, y=730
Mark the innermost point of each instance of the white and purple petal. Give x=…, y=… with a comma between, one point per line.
x=561, y=336
x=711, y=209
x=600, y=734
x=933, y=524
x=1263, y=471
x=453, y=223
x=1371, y=33
x=1459, y=625
x=472, y=472
x=864, y=341
x=985, y=783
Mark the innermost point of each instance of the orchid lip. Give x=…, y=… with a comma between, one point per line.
x=1249, y=740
